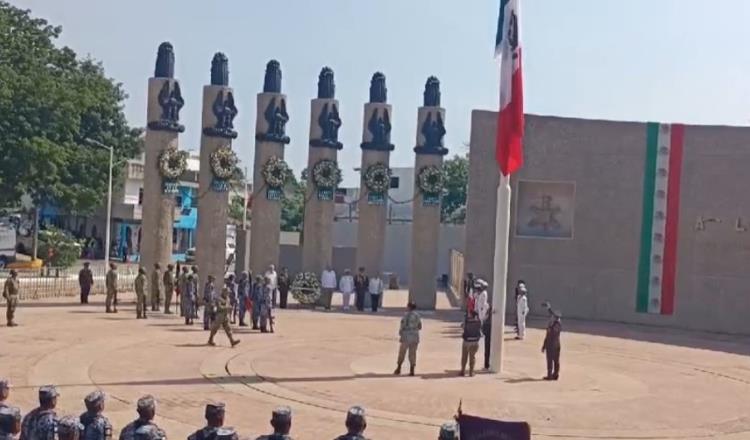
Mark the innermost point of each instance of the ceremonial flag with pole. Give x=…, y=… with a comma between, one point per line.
x=509, y=154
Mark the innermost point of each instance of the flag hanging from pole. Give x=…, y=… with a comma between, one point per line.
x=508, y=146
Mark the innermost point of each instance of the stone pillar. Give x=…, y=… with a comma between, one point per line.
x=270, y=138
x=219, y=112
x=425, y=230
x=242, y=252
x=317, y=250
x=376, y=150
x=164, y=104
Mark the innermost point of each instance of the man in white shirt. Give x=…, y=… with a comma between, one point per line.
x=376, y=291
x=328, y=284
x=346, y=286
x=522, y=309
x=273, y=281
x=481, y=301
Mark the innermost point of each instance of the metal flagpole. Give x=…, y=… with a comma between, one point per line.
x=500, y=273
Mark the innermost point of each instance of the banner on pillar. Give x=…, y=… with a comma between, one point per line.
x=220, y=185
x=325, y=194
x=170, y=187
x=274, y=194
x=375, y=199
x=430, y=199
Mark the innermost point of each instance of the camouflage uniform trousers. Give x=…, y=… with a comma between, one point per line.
x=111, y=299
x=10, y=308
x=221, y=321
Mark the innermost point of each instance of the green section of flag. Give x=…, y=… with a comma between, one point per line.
x=647, y=222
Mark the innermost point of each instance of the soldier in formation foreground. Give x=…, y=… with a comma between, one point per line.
x=10, y=293
x=95, y=425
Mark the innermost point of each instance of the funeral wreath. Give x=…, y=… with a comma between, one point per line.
x=223, y=163
x=326, y=174
x=276, y=172
x=172, y=163
x=306, y=288
x=430, y=180
x=378, y=178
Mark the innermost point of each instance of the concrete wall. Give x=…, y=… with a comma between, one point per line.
x=594, y=275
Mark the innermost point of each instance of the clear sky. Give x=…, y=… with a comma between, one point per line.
x=661, y=60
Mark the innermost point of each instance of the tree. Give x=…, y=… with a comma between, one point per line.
x=236, y=209
x=51, y=102
x=453, y=207
x=293, y=204
x=58, y=248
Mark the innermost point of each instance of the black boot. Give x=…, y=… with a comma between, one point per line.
x=397, y=371
x=411, y=370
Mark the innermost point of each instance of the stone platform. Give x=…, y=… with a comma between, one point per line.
x=617, y=382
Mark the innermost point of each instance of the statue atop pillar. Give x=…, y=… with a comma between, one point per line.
x=432, y=92
x=329, y=120
x=378, y=91
x=164, y=61
x=170, y=96
x=379, y=124
x=326, y=86
x=275, y=113
x=433, y=127
x=223, y=108
x=220, y=70
x=272, y=81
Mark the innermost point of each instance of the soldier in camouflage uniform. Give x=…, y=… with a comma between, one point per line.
x=196, y=289
x=168, y=280
x=281, y=420
x=411, y=324
x=221, y=318
x=68, y=428
x=140, y=294
x=10, y=293
x=95, y=425
x=355, y=424
x=40, y=423
x=111, y=283
x=214, y=420
x=449, y=431
x=10, y=422
x=187, y=299
x=156, y=287
x=149, y=432
x=209, y=294
x=182, y=283
x=4, y=392
x=146, y=413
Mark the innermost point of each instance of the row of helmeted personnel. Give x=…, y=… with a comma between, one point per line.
x=43, y=422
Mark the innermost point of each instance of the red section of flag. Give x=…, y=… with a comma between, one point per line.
x=509, y=140
x=671, y=230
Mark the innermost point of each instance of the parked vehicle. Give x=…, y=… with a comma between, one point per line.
x=7, y=245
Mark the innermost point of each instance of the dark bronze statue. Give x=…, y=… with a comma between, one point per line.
x=432, y=92
x=329, y=122
x=379, y=127
x=378, y=91
x=220, y=70
x=276, y=117
x=272, y=81
x=225, y=111
x=164, y=61
x=326, y=86
x=433, y=131
x=170, y=101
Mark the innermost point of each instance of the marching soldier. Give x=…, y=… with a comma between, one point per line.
x=221, y=318
x=169, y=282
x=4, y=392
x=156, y=287
x=551, y=345
x=10, y=293
x=355, y=424
x=448, y=431
x=214, y=415
x=281, y=420
x=140, y=294
x=40, y=423
x=208, y=299
x=68, y=428
x=408, y=332
x=95, y=425
x=10, y=422
x=111, y=282
x=146, y=408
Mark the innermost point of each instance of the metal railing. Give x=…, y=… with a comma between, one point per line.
x=54, y=282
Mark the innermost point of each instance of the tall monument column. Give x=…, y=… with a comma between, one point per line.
x=164, y=164
x=375, y=178
x=324, y=177
x=428, y=186
x=269, y=171
x=217, y=167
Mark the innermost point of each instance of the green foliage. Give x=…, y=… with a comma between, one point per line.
x=235, y=209
x=50, y=102
x=58, y=248
x=293, y=204
x=453, y=207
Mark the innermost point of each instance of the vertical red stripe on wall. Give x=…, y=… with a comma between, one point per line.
x=672, y=220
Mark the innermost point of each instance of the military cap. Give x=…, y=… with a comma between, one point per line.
x=8, y=413
x=215, y=408
x=4, y=384
x=149, y=432
x=448, y=431
x=146, y=402
x=226, y=433
x=48, y=392
x=94, y=398
x=68, y=425
x=282, y=413
x=13, y=272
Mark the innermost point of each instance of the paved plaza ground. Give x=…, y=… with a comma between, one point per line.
x=618, y=381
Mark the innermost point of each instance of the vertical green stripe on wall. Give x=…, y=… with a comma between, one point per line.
x=647, y=222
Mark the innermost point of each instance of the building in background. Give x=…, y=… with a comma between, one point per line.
x=399, y=198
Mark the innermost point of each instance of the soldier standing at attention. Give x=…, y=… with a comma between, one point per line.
x=196, y=289
x=283, y=284
x=408, y=333
x=355, y=424
x=214, y=420
x=4, y=392
x=40, y=423
x=156, y=287
x=221, y=318
x=95, y=425
x=168, y=280
x=146, y=412
x=10, y=422
x=551, y=345
x=140, y=294
x=471, y=335
x=85, y=281
x=111, y=281
x=182, y=284
x=208, y=299
x=67, y=428
x=187, y=301
x=281, y=420
x=10, y=293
